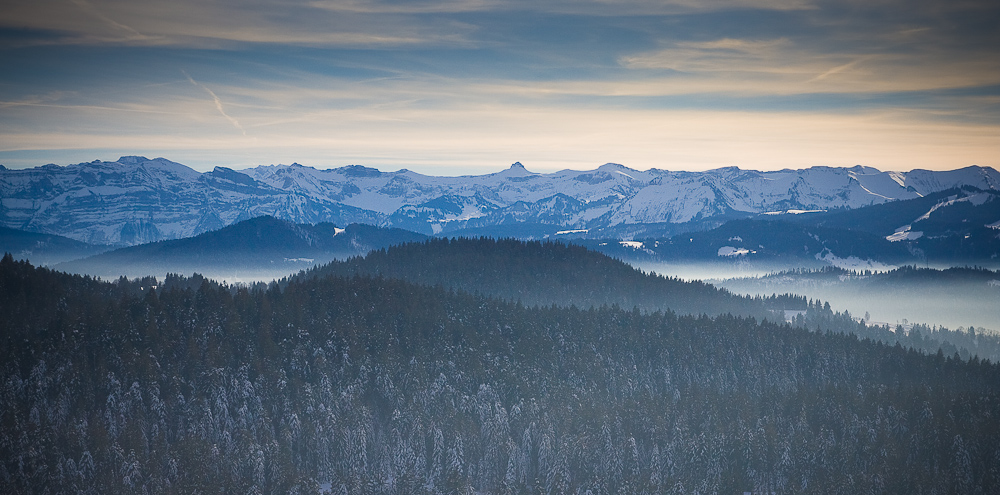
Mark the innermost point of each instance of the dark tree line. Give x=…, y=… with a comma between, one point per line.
x=372, y=385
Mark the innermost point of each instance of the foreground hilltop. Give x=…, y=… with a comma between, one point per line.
x=374, y=385
x=539, y=273
x=136, y=200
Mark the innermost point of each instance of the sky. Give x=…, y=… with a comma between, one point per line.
x=453, y=87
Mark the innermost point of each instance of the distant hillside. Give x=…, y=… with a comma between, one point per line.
x=953, y=227
x=540, y=273
x=759, y=240
x=949, y=208
x=263, y=244
x=959, y=225
x=44, y=249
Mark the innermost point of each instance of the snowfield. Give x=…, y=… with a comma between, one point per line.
x=853, y=262
x=733, y=252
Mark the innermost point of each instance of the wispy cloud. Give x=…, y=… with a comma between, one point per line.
x=213, y=25
x=331, y=23
x=573, y=7
x=784, y=66
x=218, y=103
x=838, y=69
x=89, y=8
x=406, y=7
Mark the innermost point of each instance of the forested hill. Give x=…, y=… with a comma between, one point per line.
x=367, y=385
x=262, y=243
x=541, y=273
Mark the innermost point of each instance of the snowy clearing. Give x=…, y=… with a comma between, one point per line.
x=904, y=235
x=854, y=263
x=792, y=212
x=731, y=251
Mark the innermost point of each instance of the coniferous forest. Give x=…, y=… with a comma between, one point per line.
x=362, y=383
x=539, y=273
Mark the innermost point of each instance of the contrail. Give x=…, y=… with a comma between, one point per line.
x=86, y=6
x=218, y=103
x=839, y=68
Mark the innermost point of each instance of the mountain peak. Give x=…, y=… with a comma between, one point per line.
x=861, y=169
x=357, y=171
x=132, y=160
x=516, y=169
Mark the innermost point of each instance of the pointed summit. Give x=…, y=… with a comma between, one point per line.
x=516, y=170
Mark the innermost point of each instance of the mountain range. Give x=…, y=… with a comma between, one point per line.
x=138, y=200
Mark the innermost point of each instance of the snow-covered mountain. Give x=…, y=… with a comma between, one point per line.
x=136, y=200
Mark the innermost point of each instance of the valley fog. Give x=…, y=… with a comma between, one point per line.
x=952, y=304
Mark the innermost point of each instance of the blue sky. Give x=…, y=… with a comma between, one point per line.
x=470, y=86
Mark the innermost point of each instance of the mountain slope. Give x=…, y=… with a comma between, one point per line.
x=136, y=200
x=266, y=244
x=764, y=244
x=937, y=213
x=951, y=227
x=959, y=225
x=44, y=249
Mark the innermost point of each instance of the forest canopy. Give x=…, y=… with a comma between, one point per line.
x=368, y=384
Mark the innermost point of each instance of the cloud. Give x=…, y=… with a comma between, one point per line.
x=603, y=8
x=838, y=69
x=407, y=7
x=786, y=66
x=685, y=83
x=329, y=23
x=190, y=23
x=484, y=134
x=720, y=55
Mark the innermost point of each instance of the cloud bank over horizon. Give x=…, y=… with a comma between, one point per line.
x=469, y=86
